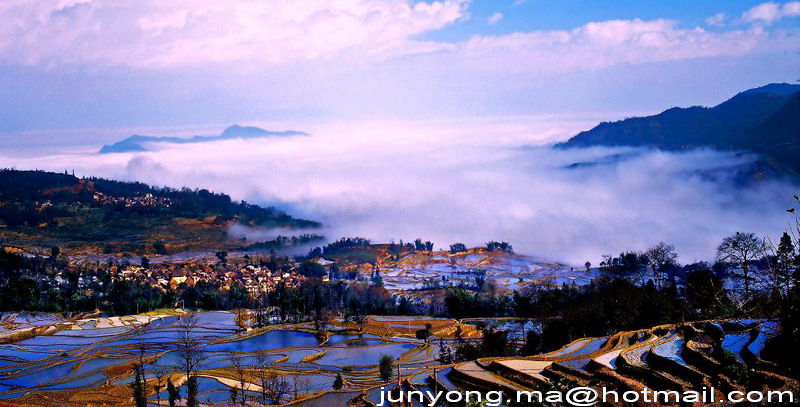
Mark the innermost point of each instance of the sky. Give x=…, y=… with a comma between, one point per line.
x=430, y=119
x=114, y=64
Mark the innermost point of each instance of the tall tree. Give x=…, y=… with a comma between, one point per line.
x=358, y=313
x=234, y=396
x=338, y=384
x=385, y=368
x=191, y=392
x=661, y=258
x=241, y=377
x=273, y=387
x=138, y=386
x=158, y=385
x=190, y=355
x=706, y=295
x=790, y=309
x=742, y=249
x=173, y=393
x=783, y=266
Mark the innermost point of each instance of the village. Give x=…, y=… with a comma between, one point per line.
x=256, y=279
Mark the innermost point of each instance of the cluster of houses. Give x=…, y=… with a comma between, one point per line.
x=168, y=276
x=146, y=201
x=42, y=206
x=255, y=279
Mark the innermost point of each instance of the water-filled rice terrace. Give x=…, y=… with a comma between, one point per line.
x=669, y=357
x=509, y=271
x=49, y=360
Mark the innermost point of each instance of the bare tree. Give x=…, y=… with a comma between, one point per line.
x=661, y=257
x=300, y=386
x=190, y=355
x=157, y=372
x=273, y=387
x=139, y=384
x=607, y=261
x=437, y=305
x=158, y=385
x=742, y=249
x=522, y=322
x=278, y=388
x=239, y=369
x=322, y=319
x=141, y=349
x=359, y=317
x=263, y=364
x=261, y=316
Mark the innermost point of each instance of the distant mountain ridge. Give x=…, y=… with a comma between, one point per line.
x=764, y=120
x=137, y=143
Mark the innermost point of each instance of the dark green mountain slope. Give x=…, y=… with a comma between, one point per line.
x=764, y=120
x=43, y=209
x=778, y=137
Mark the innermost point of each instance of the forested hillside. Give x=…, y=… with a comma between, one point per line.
x=40, y=208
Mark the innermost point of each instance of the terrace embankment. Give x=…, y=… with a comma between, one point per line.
x=90, y=361
x=687, y=357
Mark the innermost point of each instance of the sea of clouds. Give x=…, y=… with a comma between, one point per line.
x=467, y=181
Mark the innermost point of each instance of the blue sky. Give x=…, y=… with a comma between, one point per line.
x=566, y=14
x=76, y=64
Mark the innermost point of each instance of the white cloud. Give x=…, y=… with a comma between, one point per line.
x=602, y=44
x=150, y=33
x=257, y=35
x=764, y=12
x=494, y=18
x=469, y=181
x=770, y=12
x=717, y=20
x=147, y=62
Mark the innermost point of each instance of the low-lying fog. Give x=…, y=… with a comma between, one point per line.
x=469, y=181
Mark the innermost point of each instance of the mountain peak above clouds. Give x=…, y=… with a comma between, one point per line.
x=139, y=143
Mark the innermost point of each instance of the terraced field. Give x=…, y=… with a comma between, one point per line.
x=667, y=357
x=509, y=271
x=49, y=360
